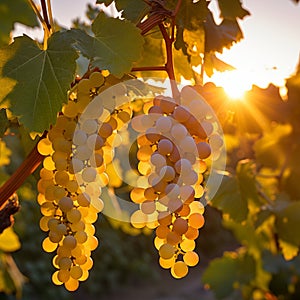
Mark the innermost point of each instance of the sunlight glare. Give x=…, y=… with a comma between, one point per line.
x=235, y=83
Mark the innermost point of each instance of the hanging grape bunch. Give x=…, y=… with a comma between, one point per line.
x=173, y=144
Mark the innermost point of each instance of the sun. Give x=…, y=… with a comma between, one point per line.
x=234, y=91
x=235, y=83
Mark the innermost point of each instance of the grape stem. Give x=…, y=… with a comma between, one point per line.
x=156, y=17
x=45, y=14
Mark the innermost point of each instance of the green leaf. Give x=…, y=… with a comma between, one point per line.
x=132, y=10
x=219, y=280
x=12, y=12
x=261, y=217
x=232, y=9
x=229, y=199
x=192, y=14
x=224, y=35
x=212, y=63
x=105, y=2
x=4, y=123
x=223, y=273
x=288, y=223
x=38, y=80
x=289, y=251
x=5, y=154
x=245, y=173
x=271, y=149
x=189, y=27
x=153, y=54
x=272, y=263
x=9, y=241
x=115, y=46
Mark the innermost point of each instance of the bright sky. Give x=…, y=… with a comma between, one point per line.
x=271, y=46
x=269, y=52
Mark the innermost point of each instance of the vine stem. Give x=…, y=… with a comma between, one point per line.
x=28, y=166
x=44, y=23
x=169, y=64
x=45, y=14
x=49, y=7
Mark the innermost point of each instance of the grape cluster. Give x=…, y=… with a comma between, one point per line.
x=77, y=149
x=175, y=139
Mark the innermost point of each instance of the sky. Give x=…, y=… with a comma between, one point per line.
x=271, y=45
x=268, y=53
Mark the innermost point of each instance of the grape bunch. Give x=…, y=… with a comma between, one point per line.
x=77, y=149
x=175, y=140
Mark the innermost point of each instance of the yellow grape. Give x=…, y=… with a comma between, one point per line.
x=196, y=220
x=166, y=251
x=64, y=263
x=191, y=258
x=48, y=245
x=76, y=272
x=55, y=278
x=72, y=284
x=65, y=204
x=69, y=242
x=180, y=269
x=63, y=275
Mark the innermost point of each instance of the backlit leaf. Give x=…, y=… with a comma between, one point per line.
x=224, y=273
x=229, y=199
x=288, y=223
x=41, y=77
x=115, y=46
x=270, y=150
x=9, y=241
x=12, y=12
x=232, y=9
x=224, y=35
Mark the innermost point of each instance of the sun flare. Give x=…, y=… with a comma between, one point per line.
x=235, y=83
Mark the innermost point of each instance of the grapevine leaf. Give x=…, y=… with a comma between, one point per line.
x=232, y=9
x=270, y=150
x=110, y=48
x=229, y=199
x=5, y=154
x=192, y=14
x=39, y=79
x=12, y=12
x=211, y=63
x=247, y=183
x=131, y=10
x=288, y=223
x=221, y=282
x=153, y=54
x=272, y=262
x=105, y=2
x=182, y=66
x=239, y=269
x=262, y=216
x=221, y=36
x=190, y=30
x=9, y=241
x=4, y=123
x=289, y=251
